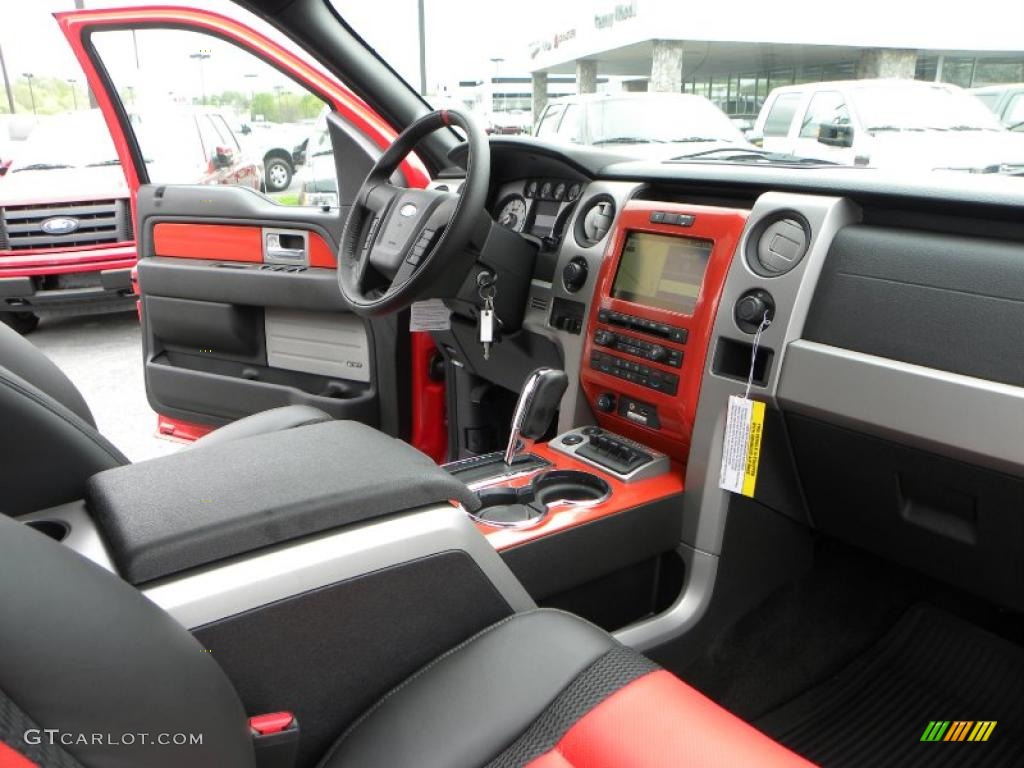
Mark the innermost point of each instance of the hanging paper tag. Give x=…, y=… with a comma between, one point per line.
x=741, y=454
x=429, y=315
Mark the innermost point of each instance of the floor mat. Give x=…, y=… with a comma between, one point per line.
x=930, y=667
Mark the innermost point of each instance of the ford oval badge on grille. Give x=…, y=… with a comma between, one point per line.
x=407, y=210
x=59, y=225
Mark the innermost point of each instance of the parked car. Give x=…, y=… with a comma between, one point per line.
x=274, y=144
x=1006, y=101
x=65, y=214
x=14, y=129
x=652, y=125
x=319, y=175
x=904, y=124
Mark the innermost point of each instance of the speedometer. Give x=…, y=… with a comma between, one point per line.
x=512, y=213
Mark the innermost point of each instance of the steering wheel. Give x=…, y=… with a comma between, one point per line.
x=399, y=243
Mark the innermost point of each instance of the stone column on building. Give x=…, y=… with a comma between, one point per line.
x=887, y=63
x=586, y=76
x=667, y=66
x=540, y=94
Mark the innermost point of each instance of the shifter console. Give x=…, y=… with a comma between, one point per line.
x=619, y=456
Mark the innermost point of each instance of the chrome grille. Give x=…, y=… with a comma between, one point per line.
x=99, y=222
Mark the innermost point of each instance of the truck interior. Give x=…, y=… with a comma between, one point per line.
x=459, y=493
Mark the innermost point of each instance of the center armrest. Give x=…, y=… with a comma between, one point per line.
x=192, y=508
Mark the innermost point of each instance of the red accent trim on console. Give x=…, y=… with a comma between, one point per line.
x=676, y=413
x=429, y=417
x=222, y=242
x=181, y=431
x=658, y=721
x=274, y=722
x=624, y=496
x=9, y=758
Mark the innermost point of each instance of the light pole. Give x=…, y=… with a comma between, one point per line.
x=423, y=49
x=251, y=77
x=280, y=109
x=201, y=57
x=32, y=94
x=7, y=82
x=74, y=91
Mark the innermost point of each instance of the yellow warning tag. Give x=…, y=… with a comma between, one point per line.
x=741, y=453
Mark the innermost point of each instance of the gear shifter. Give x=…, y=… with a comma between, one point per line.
x=537, y=404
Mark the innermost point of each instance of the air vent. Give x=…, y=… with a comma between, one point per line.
x=594, y=221
x=778, y=243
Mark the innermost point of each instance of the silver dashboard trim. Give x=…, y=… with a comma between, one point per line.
x=963, y=417
x=705, y=505
x=225, y=589
x=574, y=410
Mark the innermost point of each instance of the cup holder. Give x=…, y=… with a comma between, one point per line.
x=528, y=505
x=55, y=529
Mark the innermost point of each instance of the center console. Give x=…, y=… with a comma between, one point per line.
x=651, y=319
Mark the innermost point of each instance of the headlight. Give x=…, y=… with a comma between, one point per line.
x=321, y=199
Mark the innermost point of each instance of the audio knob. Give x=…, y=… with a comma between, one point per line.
x=657, y=354
x=604, y=338
x=605, y=402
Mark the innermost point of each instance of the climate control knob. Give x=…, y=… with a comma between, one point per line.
x=604, y=338
x=657, y=354
x=605, y=402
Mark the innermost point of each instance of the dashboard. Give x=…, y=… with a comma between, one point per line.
x=888, y=301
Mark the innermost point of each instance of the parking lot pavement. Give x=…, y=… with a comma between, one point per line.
x=102, y=355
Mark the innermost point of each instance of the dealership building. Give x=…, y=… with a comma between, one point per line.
x=735, y=53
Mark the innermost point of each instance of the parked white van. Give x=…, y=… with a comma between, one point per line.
x=905, y=124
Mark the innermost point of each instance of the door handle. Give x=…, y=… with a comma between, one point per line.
x=286, y=246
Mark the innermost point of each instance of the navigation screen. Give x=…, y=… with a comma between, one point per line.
x=662, y=271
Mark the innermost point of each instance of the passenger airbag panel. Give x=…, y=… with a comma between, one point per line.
x=938, y=300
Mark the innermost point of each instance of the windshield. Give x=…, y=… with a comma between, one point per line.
x=913, y=108
x=612, y=74
x=75, y=140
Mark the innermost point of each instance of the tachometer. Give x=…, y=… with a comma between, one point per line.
x=512, y=213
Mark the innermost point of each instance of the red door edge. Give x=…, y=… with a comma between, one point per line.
x=76, y=24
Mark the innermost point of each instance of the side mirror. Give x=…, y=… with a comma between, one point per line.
x=223, y=157
x=833, y=135
x=299, y=152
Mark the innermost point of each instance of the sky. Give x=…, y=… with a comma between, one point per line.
x=456, y=49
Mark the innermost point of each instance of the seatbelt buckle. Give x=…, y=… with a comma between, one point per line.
x=275, y=739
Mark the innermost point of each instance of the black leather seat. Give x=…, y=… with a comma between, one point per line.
x=86, y=660
x=51, y=445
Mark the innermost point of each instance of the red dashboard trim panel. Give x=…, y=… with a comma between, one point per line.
x=676, y=412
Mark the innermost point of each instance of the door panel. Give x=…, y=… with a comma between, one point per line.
x=229, y=331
